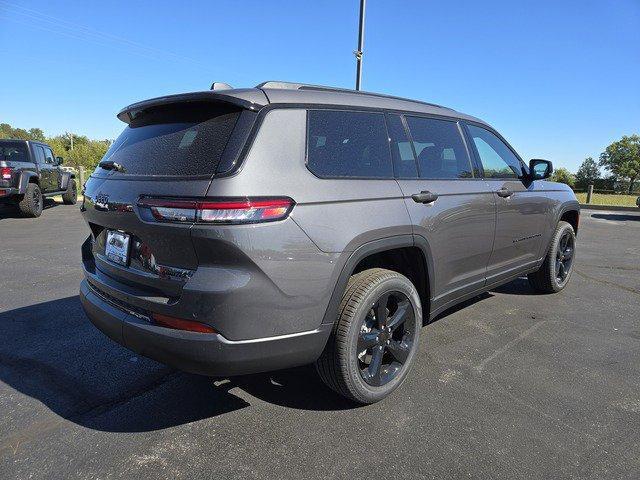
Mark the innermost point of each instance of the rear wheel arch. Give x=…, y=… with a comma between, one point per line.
x=27, y=177
x=405, y=254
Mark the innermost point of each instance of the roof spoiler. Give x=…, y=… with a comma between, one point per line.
x=250, y=102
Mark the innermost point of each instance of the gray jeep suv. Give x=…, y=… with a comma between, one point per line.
x=244, y=230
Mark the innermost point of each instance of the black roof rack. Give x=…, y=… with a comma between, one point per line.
x=304, y=86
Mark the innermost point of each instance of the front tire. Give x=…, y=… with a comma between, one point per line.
x=32, y=202
x=375, y=339
x=557, y=268
x=70, y=197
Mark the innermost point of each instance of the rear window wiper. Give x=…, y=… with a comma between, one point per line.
x=111, y=165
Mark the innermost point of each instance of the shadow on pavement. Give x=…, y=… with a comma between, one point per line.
x=10, y=211
x=51, y=352
x=617, y=217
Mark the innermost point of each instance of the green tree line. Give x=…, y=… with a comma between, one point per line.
x=84, y=151
x=621, y=161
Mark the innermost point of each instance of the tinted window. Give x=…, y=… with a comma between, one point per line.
x=183, y=140
x=39, y=152
x=48, y=155
x=440, y=149
x=348, y=144
x=14, y=152
x=497, y=159
x=404, y=162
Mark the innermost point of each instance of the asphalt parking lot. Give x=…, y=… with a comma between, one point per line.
x=509, y=385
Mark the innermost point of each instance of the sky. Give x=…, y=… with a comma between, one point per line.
x=559, y=79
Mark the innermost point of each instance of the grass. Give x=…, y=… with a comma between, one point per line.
x=609, y=199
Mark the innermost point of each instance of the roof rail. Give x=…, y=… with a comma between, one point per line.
x=305, y=86
x=221, y=86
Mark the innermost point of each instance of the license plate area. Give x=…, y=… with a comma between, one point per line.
x=117, y=247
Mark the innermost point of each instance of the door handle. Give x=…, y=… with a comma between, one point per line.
x=504, y=192
x=424, y=197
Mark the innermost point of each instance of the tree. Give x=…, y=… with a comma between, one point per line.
x=622, y=158
x=563, y=175
x=86, y=152
x=588, y=173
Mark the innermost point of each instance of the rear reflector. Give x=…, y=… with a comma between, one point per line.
x=3, y=193
x=181, y=324
x=225, y=211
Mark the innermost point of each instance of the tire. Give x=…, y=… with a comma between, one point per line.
x=556, y=270
x=348, y=364
x=70, y=197
x=32, y=202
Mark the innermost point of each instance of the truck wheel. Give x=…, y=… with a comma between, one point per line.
x=556, y=270
x=374, y=341
x=70, y=197
x=32, y=201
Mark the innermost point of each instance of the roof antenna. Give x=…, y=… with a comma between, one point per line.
x=221, y=86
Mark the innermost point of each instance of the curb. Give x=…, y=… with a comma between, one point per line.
x=589, y=206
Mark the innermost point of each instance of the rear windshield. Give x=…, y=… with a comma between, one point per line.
x=14, y=152
x=183, y=140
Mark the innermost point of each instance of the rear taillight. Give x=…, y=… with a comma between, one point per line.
x=225, y=211
x=5, y=173
x=181, y=324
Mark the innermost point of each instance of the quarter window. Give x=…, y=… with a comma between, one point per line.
x=440, y=149
x=498, y=161
x=348, y=144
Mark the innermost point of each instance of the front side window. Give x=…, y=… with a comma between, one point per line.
x=440, y=149
x=498, y=161
x=348, y=144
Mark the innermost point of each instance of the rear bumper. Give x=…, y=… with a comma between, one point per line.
x=6, y=192
x=201, y=353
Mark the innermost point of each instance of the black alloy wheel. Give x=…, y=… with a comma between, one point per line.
x=385, y=339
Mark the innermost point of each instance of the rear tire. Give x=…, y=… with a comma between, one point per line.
x=375, y=338
x=32, y=202
x=70, y=197
x=557, y=267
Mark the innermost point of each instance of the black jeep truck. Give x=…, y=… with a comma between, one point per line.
x=29, y=172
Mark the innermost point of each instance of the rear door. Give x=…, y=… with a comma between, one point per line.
x=520, y=212
x=449, y=205
x=55, y=175
x=45, y=169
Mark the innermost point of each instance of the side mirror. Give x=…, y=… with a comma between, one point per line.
x=59, y=160
x=540, y=169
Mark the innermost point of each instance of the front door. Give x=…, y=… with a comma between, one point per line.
x=449, y=206
x=520, y=210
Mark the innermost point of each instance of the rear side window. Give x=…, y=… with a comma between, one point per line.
x=348, y=144
x=14, y=152
x=498, y=161
x=39, y=153
x=180, y=140
x=440, y=149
